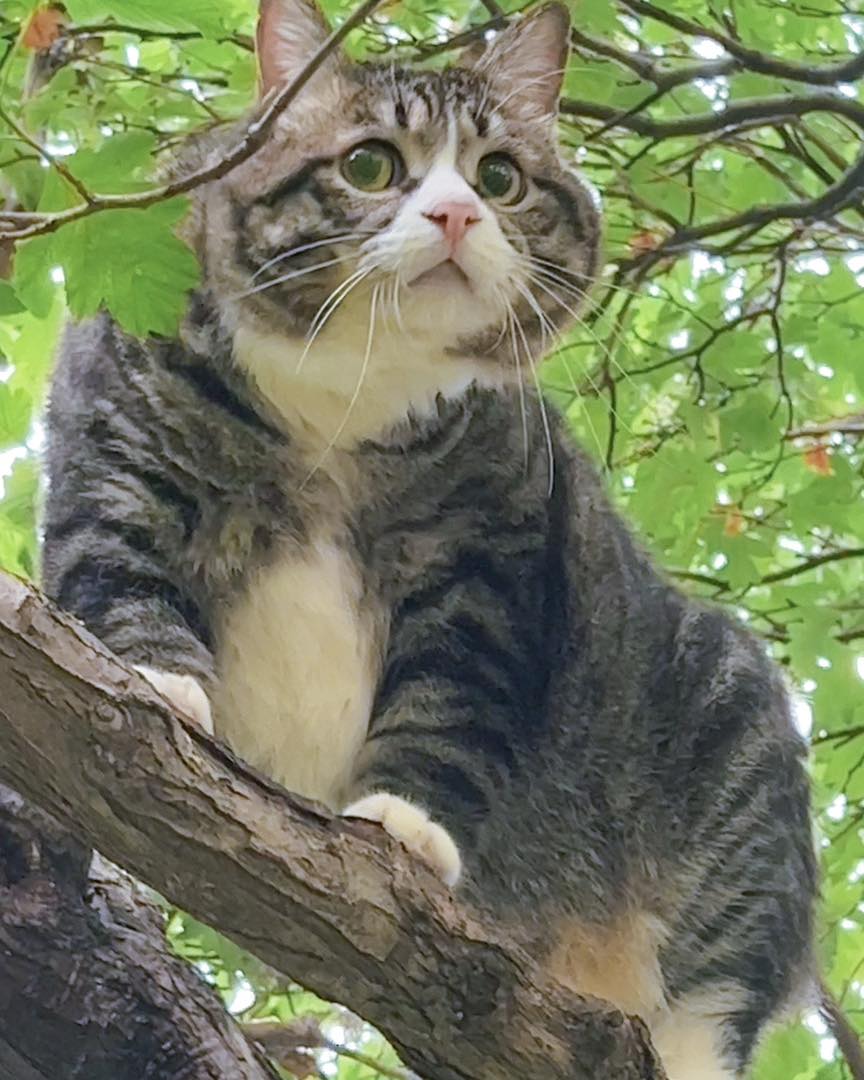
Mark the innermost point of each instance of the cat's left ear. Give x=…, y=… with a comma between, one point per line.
x=527, y=60
x=289, y=33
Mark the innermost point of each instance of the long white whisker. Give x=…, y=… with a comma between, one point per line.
x=331, y=303
x=511, y=322
x=538, y=278
x=339, y=238
x=576, y=391
x=373, y=303
x=544, y=416
x=273, y=282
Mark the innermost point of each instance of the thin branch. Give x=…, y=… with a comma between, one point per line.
x=844, y=425
x=847, y=1037
x=56, y=164
x=767, y=110
x=752, y=59
x=253, y=138
x=812, y=563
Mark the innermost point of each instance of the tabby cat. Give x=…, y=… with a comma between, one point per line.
x=334, y=515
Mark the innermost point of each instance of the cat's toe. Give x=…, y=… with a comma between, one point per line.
x=413, y=828
x=183, y=691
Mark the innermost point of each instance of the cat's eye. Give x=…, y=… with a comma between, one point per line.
x=500, y=178
x=373, y=166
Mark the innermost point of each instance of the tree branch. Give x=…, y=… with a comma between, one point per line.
x=329, y=901
x=750, y=111
x=253, y=138
x=846, y=1035
x=759, y=62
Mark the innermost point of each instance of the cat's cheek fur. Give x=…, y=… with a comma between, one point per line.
x=183, y=691
x=412, y=827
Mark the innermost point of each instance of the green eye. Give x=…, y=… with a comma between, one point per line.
x=498, y=177
x=372, y=166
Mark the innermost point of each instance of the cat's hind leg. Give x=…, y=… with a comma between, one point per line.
x=690, y=1038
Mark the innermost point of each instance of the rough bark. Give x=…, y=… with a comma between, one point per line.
x=330, y=902
x=87, y=989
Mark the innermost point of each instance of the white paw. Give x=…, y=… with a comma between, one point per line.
x=183, y=691
x=412, y=827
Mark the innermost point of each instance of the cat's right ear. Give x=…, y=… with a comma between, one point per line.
x=289, y=33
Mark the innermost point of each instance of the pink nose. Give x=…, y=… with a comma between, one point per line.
x=454, y=219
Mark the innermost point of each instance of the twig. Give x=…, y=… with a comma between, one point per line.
x=816, y=74
x=56, y=164
x=842, y=1030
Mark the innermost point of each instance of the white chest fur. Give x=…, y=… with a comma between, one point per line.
x=298, y=662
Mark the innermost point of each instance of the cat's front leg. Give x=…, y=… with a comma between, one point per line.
x=184, y=693
x=448, y=728
x=413, y=827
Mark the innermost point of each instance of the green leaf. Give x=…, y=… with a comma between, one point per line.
x=16, y=409
x=146, y=290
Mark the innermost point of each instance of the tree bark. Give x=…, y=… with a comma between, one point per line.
x=331, y=902
x=87, y=988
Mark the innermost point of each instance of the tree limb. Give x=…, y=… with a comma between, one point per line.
x=30, y=225
x=766, y=110
x=759, y=62
x=328, y=901
x=843, y=1031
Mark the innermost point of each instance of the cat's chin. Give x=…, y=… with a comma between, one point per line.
x=444, y=275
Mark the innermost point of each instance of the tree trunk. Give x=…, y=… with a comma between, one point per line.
x=87, y=988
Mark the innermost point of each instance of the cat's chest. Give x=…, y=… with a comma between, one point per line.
x=298, y=656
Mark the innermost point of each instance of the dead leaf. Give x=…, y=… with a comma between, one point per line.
x=734, y=523
x=644, y=241
x=45, y=26
x=818, y=460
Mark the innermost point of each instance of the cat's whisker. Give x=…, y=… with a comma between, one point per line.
x=547, y=326
x=511, y=322
x=544, y=416
x=373, y=303
x=330, y=304
x=272, y=283
x=587, y=375
x=397, y=310
x=339, y=238
x=539, y=277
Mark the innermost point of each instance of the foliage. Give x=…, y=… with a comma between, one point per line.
x=718, y=373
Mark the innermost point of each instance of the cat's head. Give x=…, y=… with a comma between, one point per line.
x=434, y=201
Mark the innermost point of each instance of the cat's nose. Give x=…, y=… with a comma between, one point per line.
x=454, y=218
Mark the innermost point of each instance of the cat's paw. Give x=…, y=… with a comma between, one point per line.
x=412, y=827
x=183, y=691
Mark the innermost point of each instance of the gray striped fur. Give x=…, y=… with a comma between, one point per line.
x=615, y=762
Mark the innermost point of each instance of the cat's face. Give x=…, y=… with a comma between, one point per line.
x=432, y=203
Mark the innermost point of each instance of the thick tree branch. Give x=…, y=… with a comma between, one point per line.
x=330, y=902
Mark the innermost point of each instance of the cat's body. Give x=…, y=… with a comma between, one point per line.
x=357, y=554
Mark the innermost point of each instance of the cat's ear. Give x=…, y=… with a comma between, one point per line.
x=288, y=35
x=526, y=61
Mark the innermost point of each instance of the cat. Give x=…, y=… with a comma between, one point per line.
x=334, y=520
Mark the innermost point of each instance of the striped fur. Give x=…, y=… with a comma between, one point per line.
x=357, y=555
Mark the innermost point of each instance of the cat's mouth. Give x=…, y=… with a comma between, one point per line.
x=446, y=273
